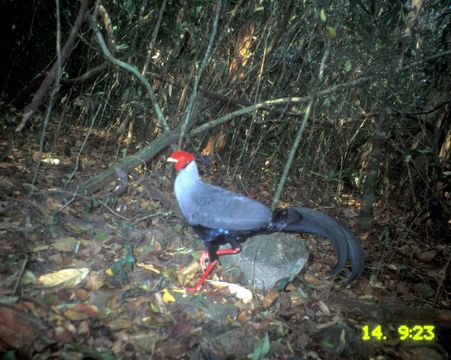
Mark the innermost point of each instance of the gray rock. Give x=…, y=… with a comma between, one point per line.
x=266, y=259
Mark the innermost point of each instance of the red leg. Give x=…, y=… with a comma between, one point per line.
x=211, y=266
x=231, y=251
x=204, y=277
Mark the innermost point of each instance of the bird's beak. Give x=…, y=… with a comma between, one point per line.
x=170, y=159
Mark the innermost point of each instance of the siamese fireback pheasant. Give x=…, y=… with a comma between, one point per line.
x=220, y=216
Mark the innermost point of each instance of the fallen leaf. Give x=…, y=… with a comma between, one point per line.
x=146, y=340
x=81, y=312
x=186, y=275
x=14, y=332
x=82, y=294
x=324, y=308
x=40, y=248
x=95, y=281
x=167, y=296
x=243, y=317
x=121, y=322
x=83, y=328
x=66, y=278
x=5, y=225
x=427, y=256
x=269, y=299
x=192, y=268
x=148, y=267
x=63, y=335
x=68, y=244
x=240, y=292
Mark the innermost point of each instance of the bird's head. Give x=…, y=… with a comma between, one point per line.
x=180, y=159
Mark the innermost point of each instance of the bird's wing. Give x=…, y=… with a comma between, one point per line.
x=216, y=208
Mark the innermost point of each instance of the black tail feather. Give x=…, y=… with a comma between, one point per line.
x=310, y=221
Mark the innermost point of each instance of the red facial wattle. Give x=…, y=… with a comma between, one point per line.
x=180, y=159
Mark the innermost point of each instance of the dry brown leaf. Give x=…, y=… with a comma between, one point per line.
x=186, y=275
x=324, y=308
x=121, y=322
x=146, y=341
x=83, y=328
x=269, y=298
x=63, y=335
x=6, y=182
x=68, y=244
x=427, y=256
x=95, y=281
x=148, y=267
x=81, y=312
x=66, y=278
x=40, y=248
x=313, y=280
x=192, y=268
x=14, y=333
x=240, y=292
x=52, y=204
x=82, y=294
x=243, y=317
x=6, y=225
x=56, y=258
x=73, y=315
x=91, y=248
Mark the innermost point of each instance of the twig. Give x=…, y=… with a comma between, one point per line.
x=94, y=117
x=63, y=55
x=112, y=211
x=275, y=102
x=19, y=278
x=67, y=203
x=109, y=56
x=297, y=139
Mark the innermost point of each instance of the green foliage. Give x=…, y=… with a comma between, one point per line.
x=264, y=51
x=123, y=266
x=348, y=65
x=261, y=348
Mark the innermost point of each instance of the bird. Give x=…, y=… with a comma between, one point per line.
x=219, y=217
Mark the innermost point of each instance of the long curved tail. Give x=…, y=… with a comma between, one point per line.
x=310, y=221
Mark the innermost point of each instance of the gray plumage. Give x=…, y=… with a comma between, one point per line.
x=214, y=207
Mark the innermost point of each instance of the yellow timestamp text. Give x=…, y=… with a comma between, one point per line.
x=405, y=333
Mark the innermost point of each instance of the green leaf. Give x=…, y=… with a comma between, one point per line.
x=178, y=227
x=322, y=15
x=102, y=236
x=130, y=7
x=68, y=244
x=155, y=308
x=261, y=348
x=332, y=32
x=348, y=66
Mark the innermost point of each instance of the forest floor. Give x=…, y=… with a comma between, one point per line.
x=104, y=277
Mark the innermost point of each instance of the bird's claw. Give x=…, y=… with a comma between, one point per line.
x=192, y=290
x=203, y=259
x=204, y=277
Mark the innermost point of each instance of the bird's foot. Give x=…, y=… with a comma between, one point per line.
x=202, y=279
x=203, y=260
x=204, y=257
x=194, y=289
